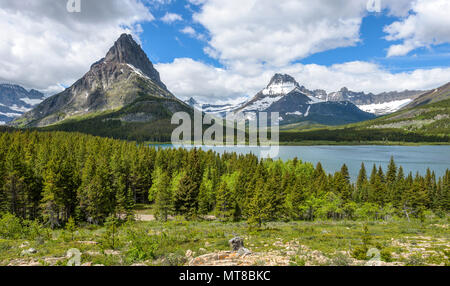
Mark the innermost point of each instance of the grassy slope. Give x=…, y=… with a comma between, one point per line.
x=292, y=243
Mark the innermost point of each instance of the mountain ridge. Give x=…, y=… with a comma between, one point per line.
x=113, y=82
x=15, y=100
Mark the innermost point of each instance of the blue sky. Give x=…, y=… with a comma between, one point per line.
x=164, y=42
x=227, y=50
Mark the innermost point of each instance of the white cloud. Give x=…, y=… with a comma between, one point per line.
x=43, y=46
x=191, y=32
x=171, y=17
x=188, y=78
x=427, y=25
x=188, y=30
x=248, y=34
x=255, y=39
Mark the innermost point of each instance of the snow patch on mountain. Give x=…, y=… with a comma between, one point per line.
x=263, y=103
x=294, y=113
x=138, y=71
x=279, y=88
x=385, y=108
x=31, y=101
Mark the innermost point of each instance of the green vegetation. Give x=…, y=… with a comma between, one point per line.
x=298, y=243
x=57, y=189
x=420, y=124
x=52, y=177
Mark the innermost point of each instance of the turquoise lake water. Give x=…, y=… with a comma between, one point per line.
x=412, y=158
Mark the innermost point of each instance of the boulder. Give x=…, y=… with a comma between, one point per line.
x=236, y=243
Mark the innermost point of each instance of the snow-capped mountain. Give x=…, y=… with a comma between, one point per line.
x=16, y=100
x=214, y=109
x=379, y=104
x=295, y=103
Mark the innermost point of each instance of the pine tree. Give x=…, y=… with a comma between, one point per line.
x=163, y=194
x=362, y=189
x=71, y=227
x=259, y=207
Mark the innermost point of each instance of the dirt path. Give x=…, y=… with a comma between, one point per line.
x=142, y=217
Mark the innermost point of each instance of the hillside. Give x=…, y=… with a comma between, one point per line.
x=121, y=96
x=426, y=119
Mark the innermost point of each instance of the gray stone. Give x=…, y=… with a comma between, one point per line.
x=236, y=243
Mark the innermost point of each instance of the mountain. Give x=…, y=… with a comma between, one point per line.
x=121, y=96
x=379, y=104
x=16, y=100
x=295, y=103
x=426, y=119
x=427, y=114
x=219, y=110
x=439, y=94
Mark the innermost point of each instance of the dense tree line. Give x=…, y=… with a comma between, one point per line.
x=55, y=176
x=351, y=134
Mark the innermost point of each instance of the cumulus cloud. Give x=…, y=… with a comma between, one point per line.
x=171, y=17
x=42, y=46
x=188, y=78
x=427, y=25
x=248, y=34
x=255, y=39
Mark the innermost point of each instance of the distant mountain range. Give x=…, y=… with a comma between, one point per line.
x=425, y=119
x=122, y=96
x=280, y=87
x=379, y=104
x=16, y=100
x=294, y=103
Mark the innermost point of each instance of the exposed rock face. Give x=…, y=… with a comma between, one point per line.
x=295, y=103
x=435, y=95
x=379, y=104
x=123, y=76
x=127, y=51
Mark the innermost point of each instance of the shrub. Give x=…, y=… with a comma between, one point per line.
x=10, y=227
x=386, y=255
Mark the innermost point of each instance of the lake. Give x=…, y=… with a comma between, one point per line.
x=412, y=158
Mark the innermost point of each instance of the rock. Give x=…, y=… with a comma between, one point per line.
x=236, y=243
x=244, y=251
x=112, y=252
x=29, y=251
x=188, y=253
x=24, y=244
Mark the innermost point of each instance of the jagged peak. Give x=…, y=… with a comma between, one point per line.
x=127, y=51
x=279, y=78
x=191, y=101
x=280, y=84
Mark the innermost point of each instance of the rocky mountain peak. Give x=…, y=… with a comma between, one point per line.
x=192, y=102
x=280, y=84
x=127, y=51
x=278, y=79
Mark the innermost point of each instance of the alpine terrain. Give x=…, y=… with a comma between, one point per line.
x=16, y=100
x=295, y=103
x=120, y=96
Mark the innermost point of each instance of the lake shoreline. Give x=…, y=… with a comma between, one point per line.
x=333, y=143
